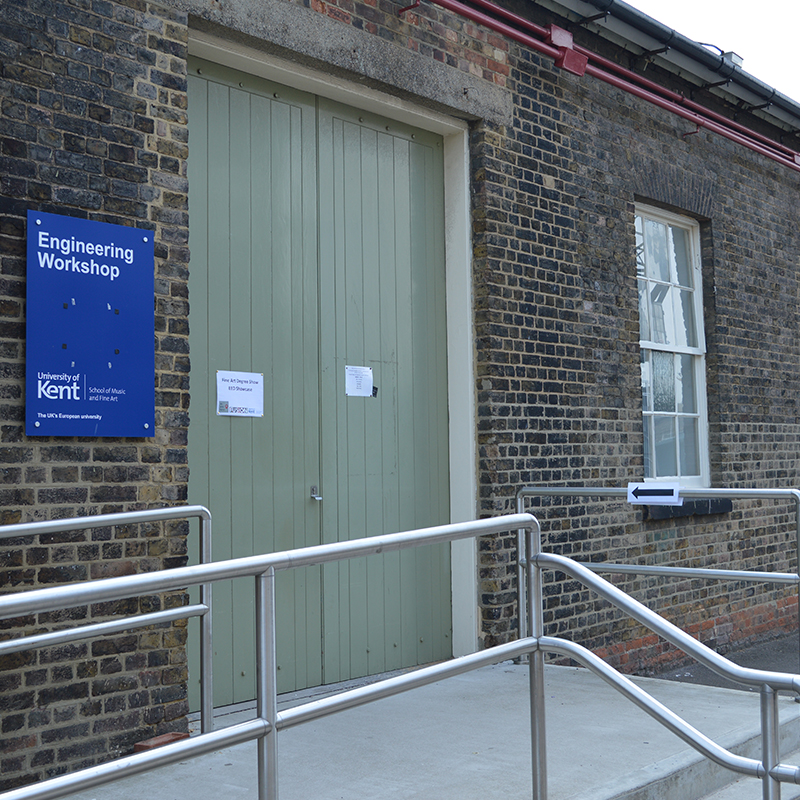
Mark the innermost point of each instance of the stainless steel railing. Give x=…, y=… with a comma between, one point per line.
x=676, y=572
x=768, y=769
x=267, y=724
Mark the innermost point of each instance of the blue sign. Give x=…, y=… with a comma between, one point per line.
x=90, y=356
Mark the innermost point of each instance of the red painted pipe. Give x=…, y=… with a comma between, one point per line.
x=671, y=101
x=699, y=120
x=682, y=100
x=611, y=66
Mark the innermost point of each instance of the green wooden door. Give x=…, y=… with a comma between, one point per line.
x=316, y=243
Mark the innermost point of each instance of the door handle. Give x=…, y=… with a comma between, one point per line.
x=314, y=495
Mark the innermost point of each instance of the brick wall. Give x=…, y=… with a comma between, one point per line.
x=92, y=124
x=558, y=376
x=428, y=30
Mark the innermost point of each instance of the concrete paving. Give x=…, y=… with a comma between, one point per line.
x=468, y=738
x=780, y=654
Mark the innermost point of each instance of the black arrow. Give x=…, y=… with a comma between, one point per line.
x=637, y=492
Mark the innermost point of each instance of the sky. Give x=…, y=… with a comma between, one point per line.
x=766, y=34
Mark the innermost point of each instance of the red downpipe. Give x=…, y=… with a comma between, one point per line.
x=705, y=119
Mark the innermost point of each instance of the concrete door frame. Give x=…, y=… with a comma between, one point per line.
x=460, y=338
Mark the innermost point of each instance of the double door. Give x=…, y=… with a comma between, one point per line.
x=317, y=243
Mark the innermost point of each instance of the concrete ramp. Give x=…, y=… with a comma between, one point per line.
x=468, y=738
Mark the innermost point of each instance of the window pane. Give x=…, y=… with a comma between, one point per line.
x=644, y=313
x=662, y=324
x=663, y=381
x=656, y=254
x=648, y=450
x=647, y=381
x=690, y=452
x=687, y=395
x=670, y=320
x=686, y=334
x=680, y=250
x=666, y=458
x=640, y=269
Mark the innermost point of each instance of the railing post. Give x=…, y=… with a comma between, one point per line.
x=522, y=555
x=796, y=496
x=267, y=689
x=206, y=647
x=535, y=597
x=770, y=733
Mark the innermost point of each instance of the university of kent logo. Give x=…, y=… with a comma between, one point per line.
x=58, y=387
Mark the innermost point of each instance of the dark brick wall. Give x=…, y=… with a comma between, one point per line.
x=558, y=376
x=92, y=124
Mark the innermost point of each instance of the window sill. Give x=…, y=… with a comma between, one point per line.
x=690, y=508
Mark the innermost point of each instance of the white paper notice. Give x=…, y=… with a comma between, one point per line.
x=240, y=394
x=358, y=381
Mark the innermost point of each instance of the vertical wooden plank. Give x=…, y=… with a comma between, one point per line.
x=307, y=241
x=374, y=632
x=422, y=433
x=387, y=395
x=261, y=237
x=198, y=454
x=353, y=350
x=331, y=292
x=282, y=314
x=241, y=359
x=305, y=344
x=343, y=525
x=405, y=410
x=261, y=299
x=219, y=490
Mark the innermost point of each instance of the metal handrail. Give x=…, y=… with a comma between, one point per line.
x=769, y=769
x=265, y=727
x=681, y=572
x=625, y=686
x=201, y=609
x=746, y=676
x=262, y=568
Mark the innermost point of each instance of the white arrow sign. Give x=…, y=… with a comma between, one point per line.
x=655, y=494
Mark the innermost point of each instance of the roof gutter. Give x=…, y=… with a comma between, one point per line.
x=639, y=80
x=714, y=62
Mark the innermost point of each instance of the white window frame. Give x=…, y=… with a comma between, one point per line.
x=697, y=353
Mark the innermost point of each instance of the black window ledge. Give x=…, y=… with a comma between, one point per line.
x=690, y=508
